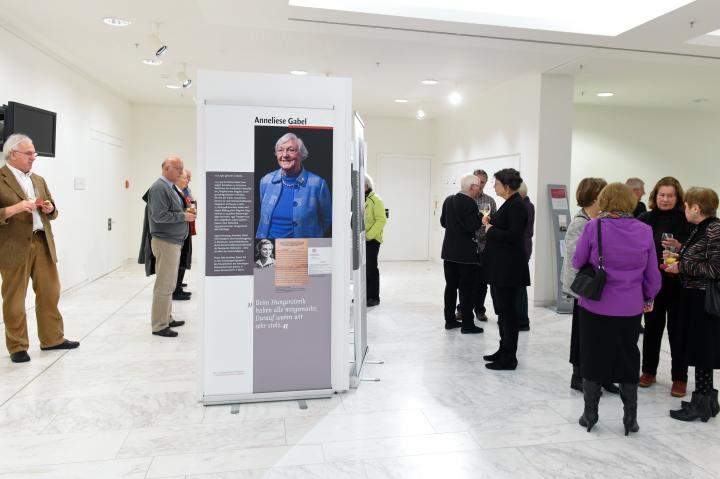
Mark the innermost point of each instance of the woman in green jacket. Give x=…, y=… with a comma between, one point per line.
x=375, y=220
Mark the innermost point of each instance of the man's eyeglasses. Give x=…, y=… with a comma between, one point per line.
x=290, y=149
x=31, y=154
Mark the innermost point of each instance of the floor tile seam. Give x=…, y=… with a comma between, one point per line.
x=13, y=469
x=82, y=339
x=379, y=438
x=122, y=444
x=215, y=450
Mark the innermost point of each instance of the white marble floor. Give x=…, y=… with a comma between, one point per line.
x=125, y=404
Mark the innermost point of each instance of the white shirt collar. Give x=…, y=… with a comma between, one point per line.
x=17, y=172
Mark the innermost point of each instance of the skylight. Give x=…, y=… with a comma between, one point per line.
x=606, y=17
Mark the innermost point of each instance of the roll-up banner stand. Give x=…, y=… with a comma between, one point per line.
x=275, y=308
x=560, y=212
x=358, y=324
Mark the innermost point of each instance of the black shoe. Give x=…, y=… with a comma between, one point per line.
x=64, y=345
x=482, y=317
x=175, y=324
x=180, y=296
x=611, y=388
x=184, y=285
x=698, y=408
x=20, y=357
x=714, y=405
x=452, y=324
x=471, y=330
x=501, y=365
x=524, y=328
x=373, y=302
x=492, y=357
x=167, y=332
x=181, y=291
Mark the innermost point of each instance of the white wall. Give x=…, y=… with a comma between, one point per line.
x=530, y=116
x=157, y=132
x=397, y=136
x=617, y=143
x=93, y=137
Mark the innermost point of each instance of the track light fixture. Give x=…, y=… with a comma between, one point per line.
x=183, y=78
x=185, y=82
x=157, y=46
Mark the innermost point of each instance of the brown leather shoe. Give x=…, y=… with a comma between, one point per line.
x=679, y=389
x=646, y=380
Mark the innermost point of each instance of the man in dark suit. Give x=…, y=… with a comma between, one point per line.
x=27, y=251
x=638, y=187
x=460, y=218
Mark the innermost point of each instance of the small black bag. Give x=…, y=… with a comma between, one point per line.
x=712, y=298
x=589, y=283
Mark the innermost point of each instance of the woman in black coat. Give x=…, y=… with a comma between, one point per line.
x=666, y=216
x=505, y=264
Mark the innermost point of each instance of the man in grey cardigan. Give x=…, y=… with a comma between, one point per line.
x=168, y=228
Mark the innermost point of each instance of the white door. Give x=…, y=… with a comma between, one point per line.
x=107, y=248
x=403, y=183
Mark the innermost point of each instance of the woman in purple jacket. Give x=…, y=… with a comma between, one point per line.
x=610, y=326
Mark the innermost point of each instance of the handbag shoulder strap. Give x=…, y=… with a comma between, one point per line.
x=600, y=251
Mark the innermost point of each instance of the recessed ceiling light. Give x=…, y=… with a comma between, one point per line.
x=606, y=94
x=455, y=98
x=298, y=72
x=116, y=22
x=401, y=100
x=420, y=114
x=152, y=61
x=429, y=81
x=173, y=86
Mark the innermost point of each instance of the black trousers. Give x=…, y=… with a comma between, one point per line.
x=667, y=304
x=481, y=290
x=460, y=278
x=372, y=273
x=505, y=300
x=180, y=279
x=522, y=307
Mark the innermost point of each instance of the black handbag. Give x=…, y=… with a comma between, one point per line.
x=712, y=298
x=589, y=283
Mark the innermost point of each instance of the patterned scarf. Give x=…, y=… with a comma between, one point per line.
x=615, y=214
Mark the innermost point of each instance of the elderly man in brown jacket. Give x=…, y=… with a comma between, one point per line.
x=27, y=251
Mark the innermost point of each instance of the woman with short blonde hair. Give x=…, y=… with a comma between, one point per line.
x=610, y=326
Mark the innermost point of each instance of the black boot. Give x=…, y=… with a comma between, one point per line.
x=698, y=408
x=714, y=406
x=628, y=394
x=576, y=381
x=592, y=392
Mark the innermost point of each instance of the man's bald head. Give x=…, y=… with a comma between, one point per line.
x=172, y=168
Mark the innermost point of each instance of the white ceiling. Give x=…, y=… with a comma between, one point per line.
x=385, y=56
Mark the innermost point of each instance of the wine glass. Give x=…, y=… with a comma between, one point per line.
x=668, y=236
x=485, y=209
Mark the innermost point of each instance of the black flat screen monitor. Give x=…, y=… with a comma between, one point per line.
x=38, y=124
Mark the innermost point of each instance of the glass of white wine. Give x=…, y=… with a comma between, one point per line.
x=485, y=209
